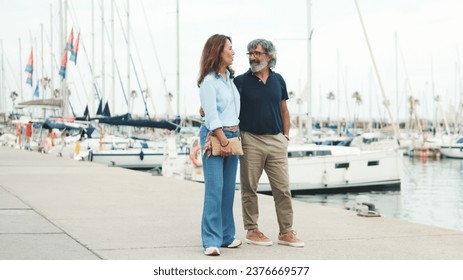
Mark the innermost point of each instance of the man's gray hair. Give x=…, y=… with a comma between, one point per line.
x=268, y=47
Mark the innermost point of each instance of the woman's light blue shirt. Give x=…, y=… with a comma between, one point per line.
x=220, y=101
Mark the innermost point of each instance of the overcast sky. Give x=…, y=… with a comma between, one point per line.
x=428, y=36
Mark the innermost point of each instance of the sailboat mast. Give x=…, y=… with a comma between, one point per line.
x=63, y=87
x=396, y=76
x=3, y=106
x=91, y=102
x=52, y=80
x=129, y=92
x=386, y=101
x=103, y=62
x=178, y=62
x=112, y=100
x=309, y=72
x=21, y=71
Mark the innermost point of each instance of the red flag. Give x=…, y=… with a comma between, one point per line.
x=75, y=50
x=30, y=68
x=64, y=63
x=70, y=43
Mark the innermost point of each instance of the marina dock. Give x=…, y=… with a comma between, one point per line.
x=60, y=209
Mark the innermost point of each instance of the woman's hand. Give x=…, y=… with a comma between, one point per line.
x=226, y=151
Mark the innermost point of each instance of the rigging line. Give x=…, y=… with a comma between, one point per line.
x=97, y=91
x=48, y=40
x=82, y=80
x=111, y=43
x=409, y=85
x=133, y=64
x=458, y=105
x=17, y=83
x=72, y=109
x=115, y=63
x=385, y=100
x=72, y=78
x=83, y=86
x=142, y=70
x=117, y=66
x=343, y=77
x=71, y=75
x=163, y=77
x=122, y=85
x=84, y=49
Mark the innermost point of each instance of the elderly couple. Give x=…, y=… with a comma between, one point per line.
x=252, y=105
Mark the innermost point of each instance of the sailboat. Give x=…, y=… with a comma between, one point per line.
x=452, y=147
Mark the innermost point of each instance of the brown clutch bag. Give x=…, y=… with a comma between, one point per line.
x=235, y=144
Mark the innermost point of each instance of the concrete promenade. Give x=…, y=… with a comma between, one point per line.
x=59, y=209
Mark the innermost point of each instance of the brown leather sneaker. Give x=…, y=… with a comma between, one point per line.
x=256, y=237
x=290, y=239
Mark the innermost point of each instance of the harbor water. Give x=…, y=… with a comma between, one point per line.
x=431, y=193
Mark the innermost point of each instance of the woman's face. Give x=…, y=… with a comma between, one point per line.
x=228, y=53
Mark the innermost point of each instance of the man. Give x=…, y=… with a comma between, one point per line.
x=264, y=126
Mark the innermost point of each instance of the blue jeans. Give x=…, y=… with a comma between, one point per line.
x=218, y=223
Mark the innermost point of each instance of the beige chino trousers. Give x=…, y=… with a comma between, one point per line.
x=269, y=153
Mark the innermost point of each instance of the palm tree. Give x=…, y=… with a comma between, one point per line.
x=413, y=102
x=330, y=96
x=358, y=101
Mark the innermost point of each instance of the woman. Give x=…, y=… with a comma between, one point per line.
x=221, y=104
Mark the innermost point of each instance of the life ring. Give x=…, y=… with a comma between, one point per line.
x=195, y=156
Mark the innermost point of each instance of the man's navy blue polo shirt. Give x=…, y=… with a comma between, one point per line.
x=261, y=103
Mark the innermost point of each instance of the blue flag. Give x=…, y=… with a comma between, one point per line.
x=75, y=50
x=36, y=91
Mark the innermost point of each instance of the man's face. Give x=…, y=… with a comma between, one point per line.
x=258, y=59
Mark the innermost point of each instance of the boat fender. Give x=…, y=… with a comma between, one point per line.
x=346, y=175
x=142, y=155
x=195, y=156
x=325, y=178
x=90, y=155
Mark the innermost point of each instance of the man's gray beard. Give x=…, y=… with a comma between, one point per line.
x=257, y=67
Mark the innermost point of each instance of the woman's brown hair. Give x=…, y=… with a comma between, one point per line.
x=211, y=58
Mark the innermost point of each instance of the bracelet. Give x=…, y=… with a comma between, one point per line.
x=287, y=137
x=223, y=146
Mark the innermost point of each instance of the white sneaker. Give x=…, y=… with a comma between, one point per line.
x=212, y=251
x=236, y=243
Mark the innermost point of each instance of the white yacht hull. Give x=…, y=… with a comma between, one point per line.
x=452, y=147
x=452, y=151
x=140, y=159
x=366, y=170
x=325, y=169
